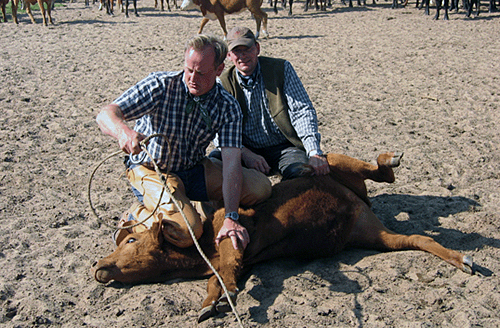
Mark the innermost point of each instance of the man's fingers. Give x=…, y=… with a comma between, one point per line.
x=321, y=166
x=235, y=241
x=222, y=233
x=325, y=168
x=246, y=238
x=262, y=167
x=266, y=167
x=234, y=235
x=217, y=239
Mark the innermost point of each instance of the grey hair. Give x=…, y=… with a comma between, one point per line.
x=201, y=41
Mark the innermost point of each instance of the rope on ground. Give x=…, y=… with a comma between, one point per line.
x=176, y=203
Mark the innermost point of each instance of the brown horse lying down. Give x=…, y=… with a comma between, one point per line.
x=307, y=217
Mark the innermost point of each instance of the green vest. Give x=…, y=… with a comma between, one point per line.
x=273, y=72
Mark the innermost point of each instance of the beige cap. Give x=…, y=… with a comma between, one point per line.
x=240, y=36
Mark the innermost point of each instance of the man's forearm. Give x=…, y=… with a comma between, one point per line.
x=111, y=121
x=232, y=178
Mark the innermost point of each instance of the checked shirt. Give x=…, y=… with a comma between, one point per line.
x=260, y=130
x=161, y=104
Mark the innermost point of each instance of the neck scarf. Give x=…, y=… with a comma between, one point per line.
x=199, y=101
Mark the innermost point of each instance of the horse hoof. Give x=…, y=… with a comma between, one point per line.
x=207, y=312
x=390, y=159
x=467, y=264
x=396, y=159
x=223, y=303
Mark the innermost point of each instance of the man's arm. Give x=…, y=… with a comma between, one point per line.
x=304, y=119
x=112, y=122
x=231, y=189
x=254, y=161
x=320, y=164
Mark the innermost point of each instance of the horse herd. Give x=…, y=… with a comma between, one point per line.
x=217, y=9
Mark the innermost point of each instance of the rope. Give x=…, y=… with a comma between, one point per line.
x=101, y=221
x=176, y=203
x=143, y=142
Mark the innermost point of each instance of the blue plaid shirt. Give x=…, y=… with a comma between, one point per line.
x=260, y=130
x=159, y=103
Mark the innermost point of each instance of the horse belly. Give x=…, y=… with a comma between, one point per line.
x=305, y=242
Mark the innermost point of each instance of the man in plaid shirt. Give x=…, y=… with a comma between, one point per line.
x=187, y=108
x=280, y=129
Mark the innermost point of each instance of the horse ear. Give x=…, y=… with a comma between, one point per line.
x=157, y=229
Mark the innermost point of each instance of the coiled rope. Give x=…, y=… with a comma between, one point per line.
x=143, y=145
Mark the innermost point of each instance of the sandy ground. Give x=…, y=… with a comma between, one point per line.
x=380, y=80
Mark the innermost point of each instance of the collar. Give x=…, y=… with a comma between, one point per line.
x=250, y=81
x=194, y=102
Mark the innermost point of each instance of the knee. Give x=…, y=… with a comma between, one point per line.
x=256, y=189
x=297, y=170
x=216, y=153
x=265, y=191
x=262, y=190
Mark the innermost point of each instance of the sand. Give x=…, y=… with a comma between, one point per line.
x=380, y=80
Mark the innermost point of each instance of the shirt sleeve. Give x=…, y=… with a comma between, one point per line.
x=230, y=133
x=143, y=97
x=302, y=113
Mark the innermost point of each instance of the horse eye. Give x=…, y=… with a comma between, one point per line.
x=131, y=240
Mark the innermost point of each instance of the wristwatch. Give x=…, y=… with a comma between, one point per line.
x=232, y=215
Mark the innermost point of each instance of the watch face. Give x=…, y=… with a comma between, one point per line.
x=233, y=216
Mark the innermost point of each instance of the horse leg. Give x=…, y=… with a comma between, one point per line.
x=3, y=13
x=42, y=10
x=382, y=172
x=28, y=11
x=260, y=18
x=369, y=232
x=14, y=11
x=352, y=172
x=214, y=291
x=204, y=22
x=229, y=263
x=49, y=10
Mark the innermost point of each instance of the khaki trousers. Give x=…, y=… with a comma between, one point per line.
x=256, y=187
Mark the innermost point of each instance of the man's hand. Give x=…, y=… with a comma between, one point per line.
x=320, y=164
x=254, y=161
x=235, y=231
x=130, y=141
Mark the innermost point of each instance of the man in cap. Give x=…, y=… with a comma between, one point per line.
x=280, y=129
